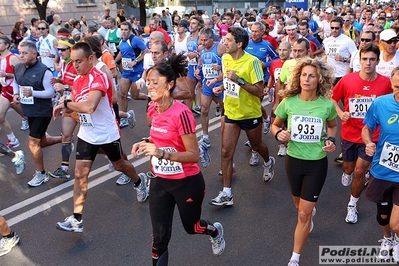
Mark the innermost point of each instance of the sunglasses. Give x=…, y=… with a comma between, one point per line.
x=41, y=28
x=335, y=28
x=391, y=41
x=62, y=49
x=346, y=20
x=365, y=40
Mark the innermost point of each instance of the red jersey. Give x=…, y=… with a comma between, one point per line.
x=271, y=40
x=68, y=72
x=357, y=96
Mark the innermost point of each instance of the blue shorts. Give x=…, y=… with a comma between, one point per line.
x=191, y=71
x=350, y=151
x=207, y=91
x=132, y=76
x=246, y=124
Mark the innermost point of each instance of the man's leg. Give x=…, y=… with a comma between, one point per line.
x=205, y=105
x=9, y=238
x=124, y=87
x=37, y=153
x=136, y=94
x=82, y=170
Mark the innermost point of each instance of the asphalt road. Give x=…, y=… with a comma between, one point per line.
x=258, y=228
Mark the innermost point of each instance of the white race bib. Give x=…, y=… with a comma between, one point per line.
x=112, y=47
x=209, y=72
x=3, y=82
x=166, y=167
x=26, y=99
x=306, y=128
x=85, y=120
x=231, y=88
x=390, y=156
x=125, y=62
x=358, y=107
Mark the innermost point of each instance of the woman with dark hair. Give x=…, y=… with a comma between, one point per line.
x=174, y=153
x=17, y=33
x=308, y=110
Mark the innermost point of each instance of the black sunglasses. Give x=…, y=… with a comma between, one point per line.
x=365, y=40
x=335, y=28
x=62, y=49
x=391, y=41
x=41, y=28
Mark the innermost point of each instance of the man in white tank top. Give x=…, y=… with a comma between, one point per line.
x=389, y=57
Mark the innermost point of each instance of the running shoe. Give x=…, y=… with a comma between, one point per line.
x=142, y=189
x=218, y=111
x=60, y=173
x=293, y=263
x=129, y=96
x=248, y=144
x=124, y=123
x=205, y=158
x=234, y=170
x=197, y=109
x=38, y=179
x=7, y=243
x=254, y=158
x=123, y=180
x=386, y=245
x=19, y=162
x=282, y=150
x=70, y=224
x=396, y=250
x=25, y=125
x=218, y=243
x=266, y=126
x=346, y=179
x=222, y=199
x=110, y=166
x=339, y=159
x=207, y=141
x=131, y=118
x=311, y=221
x=12, y=144
x=271, y=95
x=367, y=178
x=351, y=216
x=268, y=171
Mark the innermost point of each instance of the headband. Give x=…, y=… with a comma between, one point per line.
x=63, y=34
x=65, y=43
x=292, y=27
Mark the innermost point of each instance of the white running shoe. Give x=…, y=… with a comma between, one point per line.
x=386, y=245
x=396, y=250
x=293, y=263
x=311, y=221
x=70, y=224
x=346, y=179
x=351, y=216
x=38, y=179
x=131, y=119
x=222, y=199
x=19, y=162
x=282, y=150
x=266, y=126
x=25, y=125
x=142, y=189
x=254, y=158
x=367, y=178
x=218, y=243
x=123, y=180
x=7, y=243
x=268, y=171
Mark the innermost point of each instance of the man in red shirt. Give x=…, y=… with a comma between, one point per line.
x=156, y=26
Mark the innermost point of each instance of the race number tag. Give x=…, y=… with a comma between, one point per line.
x=26, y=99
x=231, y=88
x=306, y=128
x=390, y=156
x=43, y=52
x=125, y=62
x=85, y=120
x=332, y=50
x=209, y=72
x=166, y=167
x=358, y=107
x=112, y=47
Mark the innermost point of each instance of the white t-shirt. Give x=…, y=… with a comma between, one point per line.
x=385, y=68
x=326, y=28
x=181, y=47
x=45, y=45
x=355, y=61
x=342, y=45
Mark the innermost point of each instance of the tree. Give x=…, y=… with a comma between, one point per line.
x=41, y=6
x=132, y=3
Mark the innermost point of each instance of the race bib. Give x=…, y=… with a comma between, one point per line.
x=112, y=47
x=332, y=50
x=231, y=88
x=209, y=72
x=125, y=62
x=43, y=52
x=85, y=120
x=306, y=129
x=26, y=99
x=3, y=82
x=358, y=107
x=166, y=167
x=390, y=156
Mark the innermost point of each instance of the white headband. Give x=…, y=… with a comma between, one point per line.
x=292, y=27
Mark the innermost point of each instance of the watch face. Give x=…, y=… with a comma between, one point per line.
x=240, y=81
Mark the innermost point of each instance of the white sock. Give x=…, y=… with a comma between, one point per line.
x=267, y=119
x=353, y=201
x=295, y=256
x=269, y=162
x=227, y=190
x=11, y=136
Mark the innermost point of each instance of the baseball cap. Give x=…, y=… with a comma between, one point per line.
x=386, y=35
x=270, y=22
x=183, y=24
x=329, y=10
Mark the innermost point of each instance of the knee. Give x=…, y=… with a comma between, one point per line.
x=227, y=153
x=257, y=146
x=66, y=137
x=204, y=110
x=384, y=213
x=303, y=216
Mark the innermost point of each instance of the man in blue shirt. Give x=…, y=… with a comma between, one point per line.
x=304, y=30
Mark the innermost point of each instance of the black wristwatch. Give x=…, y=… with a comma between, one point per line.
x=66, y=103
x=241, y=81
x=66, y=87
x=332, y=139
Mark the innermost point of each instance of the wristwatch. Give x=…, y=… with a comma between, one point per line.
x=345, y=59
x=241, y=81
x=66, y=87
